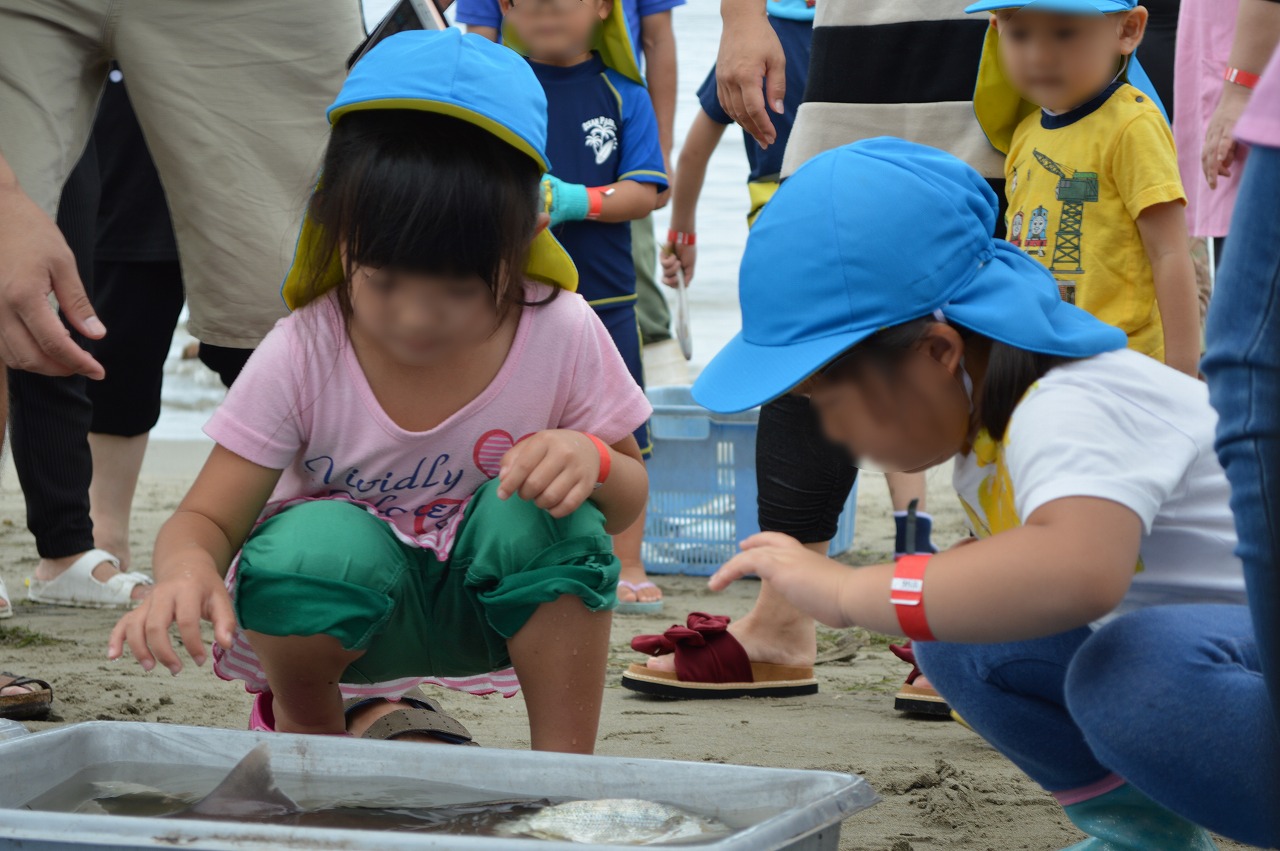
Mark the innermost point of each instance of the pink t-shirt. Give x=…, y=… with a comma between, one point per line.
x=303, y=405
x=1260, y=124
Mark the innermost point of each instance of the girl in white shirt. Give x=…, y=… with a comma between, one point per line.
x=1088, y=474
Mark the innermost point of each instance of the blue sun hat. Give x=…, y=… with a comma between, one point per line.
x=872, y=235
x=998, y=105
x=465, y=77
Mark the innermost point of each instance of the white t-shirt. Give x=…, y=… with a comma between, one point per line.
x=1122, y=427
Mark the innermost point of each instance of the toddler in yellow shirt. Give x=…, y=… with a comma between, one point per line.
x=1091, y=171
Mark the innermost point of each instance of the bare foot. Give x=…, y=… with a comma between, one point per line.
x=795, y=643
x=51, y=568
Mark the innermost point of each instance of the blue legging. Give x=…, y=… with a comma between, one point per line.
x=1171, y=698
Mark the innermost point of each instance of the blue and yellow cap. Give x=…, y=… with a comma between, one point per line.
x=465, y=77
x=829, y=263
x=612, y=41
x=998, y=105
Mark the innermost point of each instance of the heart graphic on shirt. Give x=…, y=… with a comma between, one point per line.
x=490, y=449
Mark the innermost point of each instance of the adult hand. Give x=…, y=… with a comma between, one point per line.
x=1219, y=152
x=34, y=262
x=750, y=52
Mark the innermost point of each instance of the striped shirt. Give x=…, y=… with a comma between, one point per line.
x=902, y=68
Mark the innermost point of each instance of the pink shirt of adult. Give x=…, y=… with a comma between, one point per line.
x=1260, y=124
x=1205, y=32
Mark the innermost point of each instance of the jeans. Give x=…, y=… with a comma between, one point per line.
x=1170, y=698
x=1243, y=368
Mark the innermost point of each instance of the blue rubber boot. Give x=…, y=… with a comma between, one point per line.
x=1124, y=819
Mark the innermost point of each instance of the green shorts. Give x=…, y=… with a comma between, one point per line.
x=330, y=567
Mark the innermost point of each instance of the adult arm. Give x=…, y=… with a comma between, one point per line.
x=34, y=262
x=750, y=53
x=1256, y=38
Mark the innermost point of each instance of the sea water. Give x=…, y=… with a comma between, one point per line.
x=191, y=392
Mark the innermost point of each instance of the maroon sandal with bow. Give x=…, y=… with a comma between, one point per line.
x=914, y=699
x=710, y=663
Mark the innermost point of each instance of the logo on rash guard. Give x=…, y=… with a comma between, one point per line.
x=602, y=137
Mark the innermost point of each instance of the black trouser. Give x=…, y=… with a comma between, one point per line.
x=803, y=479
x=139, y=302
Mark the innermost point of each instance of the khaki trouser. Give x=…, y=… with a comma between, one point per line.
x=230, y=95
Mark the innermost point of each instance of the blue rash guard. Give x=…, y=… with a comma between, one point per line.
x=601, y=129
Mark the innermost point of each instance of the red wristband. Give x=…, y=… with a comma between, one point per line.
x=606, y=459
x=907, y=595
x=1241, y=78
x=677, y=237
x=595, y=202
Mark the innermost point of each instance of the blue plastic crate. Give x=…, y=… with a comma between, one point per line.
x=702, y=486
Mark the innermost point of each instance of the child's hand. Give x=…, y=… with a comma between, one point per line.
x=676, y=257
x=556, y=470
x=184, y=600
x=810, y=582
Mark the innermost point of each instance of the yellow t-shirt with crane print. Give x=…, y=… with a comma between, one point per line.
x=1076, y=184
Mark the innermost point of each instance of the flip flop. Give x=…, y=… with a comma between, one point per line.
x=712, y=665
x=914, y=699
x=28, y=706
x=76, y=586
x=6, y=610
x=635, y=607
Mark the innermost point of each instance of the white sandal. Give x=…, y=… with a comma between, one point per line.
x=77, y=586
x=6, y=611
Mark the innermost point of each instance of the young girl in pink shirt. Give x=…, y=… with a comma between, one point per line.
x=418, y=470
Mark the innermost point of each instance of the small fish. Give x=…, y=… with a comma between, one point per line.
x=617, y=821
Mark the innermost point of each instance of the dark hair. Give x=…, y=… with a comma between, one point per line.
x=1010, y=371
x=413, y=191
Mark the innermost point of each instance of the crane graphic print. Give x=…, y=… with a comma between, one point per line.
x=1074, y=190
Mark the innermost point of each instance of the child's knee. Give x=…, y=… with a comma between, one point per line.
x=530, y=528
x=321, y=567
x=330, y=538
x=518, y=557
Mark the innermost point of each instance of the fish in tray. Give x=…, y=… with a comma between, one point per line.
x=250, y=793
x=615, y=822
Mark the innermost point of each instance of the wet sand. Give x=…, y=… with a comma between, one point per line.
x=943, y=787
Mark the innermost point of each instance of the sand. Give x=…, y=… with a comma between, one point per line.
x=943, y=786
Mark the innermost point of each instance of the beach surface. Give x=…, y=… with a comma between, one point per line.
x=943, y=786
